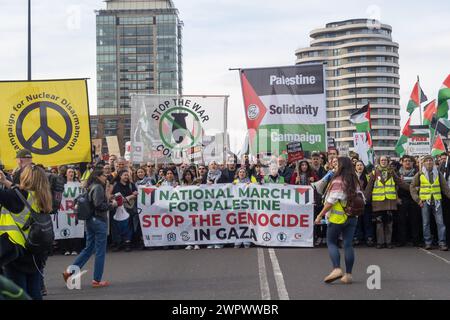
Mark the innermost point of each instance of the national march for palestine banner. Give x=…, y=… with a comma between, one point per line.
x=165, y=127
x=49, y=118
x=65, y=224
x=283, y=105
x=268, y=215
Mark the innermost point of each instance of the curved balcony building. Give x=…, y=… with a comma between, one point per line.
x=362, y=65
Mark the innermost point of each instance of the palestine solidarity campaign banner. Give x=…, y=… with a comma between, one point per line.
x=283, y=105
x=268, y=215
x=49, y=118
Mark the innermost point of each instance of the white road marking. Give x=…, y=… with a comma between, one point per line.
x=279, y=279
x=264, y=284
x=435, y=255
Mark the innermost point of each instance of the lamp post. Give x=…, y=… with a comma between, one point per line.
x=29, y=40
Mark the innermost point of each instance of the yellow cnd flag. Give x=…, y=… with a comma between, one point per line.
x=49, y=118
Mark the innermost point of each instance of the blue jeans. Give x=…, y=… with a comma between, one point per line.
x=437, y=212
x=333, y=232
x=123, y=229
x=96, y=233
x=29, y=282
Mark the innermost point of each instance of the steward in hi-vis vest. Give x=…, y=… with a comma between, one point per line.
x=11, y=222
x=382, y=189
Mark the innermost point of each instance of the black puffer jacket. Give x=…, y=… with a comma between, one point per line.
x=100, y=203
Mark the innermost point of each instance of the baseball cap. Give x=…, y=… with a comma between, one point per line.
x=24, y=153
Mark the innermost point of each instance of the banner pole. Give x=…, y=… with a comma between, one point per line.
x=420, y=99
x=243, y=102
x=225, y=130
x=446, y=166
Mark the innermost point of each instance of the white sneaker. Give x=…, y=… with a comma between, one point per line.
x=196, y=247
x=318, y=242
x=218, y=246
x=188, y=248
x=246, y=245
x=74, y=253
x=67, y=253
x=210, y=247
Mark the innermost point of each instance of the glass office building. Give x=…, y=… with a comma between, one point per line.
x=139, y=50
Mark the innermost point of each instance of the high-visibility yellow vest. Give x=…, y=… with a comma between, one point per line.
x=384, y=191
x=85, y=175
x=252, y=180
x=11, y=222
x=337, y=214
x=428, y=190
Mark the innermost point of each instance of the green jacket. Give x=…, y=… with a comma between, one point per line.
x=279, y=180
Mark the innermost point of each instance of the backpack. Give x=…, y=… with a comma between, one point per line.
x=355, y=206
x=41, y=235
x=56, y=188
x=83, y=207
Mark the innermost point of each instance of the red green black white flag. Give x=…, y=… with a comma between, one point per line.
x=361, y=119
x=417, y=97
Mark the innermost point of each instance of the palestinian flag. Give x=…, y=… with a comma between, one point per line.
x=438, y=147
x=430, y=111
x=444, y=99
x=303, y=195
x=361, y=119
x=443, y=127
x=147, y=196
x=406, y=133
x=417, y=97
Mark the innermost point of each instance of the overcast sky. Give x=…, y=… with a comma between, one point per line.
x=219, y=34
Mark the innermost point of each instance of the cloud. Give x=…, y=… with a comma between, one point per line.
x=226, y=33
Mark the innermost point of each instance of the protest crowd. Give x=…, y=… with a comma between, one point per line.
x=406, y=203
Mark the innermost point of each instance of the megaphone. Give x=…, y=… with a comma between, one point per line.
x=321, y=185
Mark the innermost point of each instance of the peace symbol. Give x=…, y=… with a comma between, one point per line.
x=44, y=132
x=267, y=236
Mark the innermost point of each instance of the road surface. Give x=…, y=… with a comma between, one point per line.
x=256, y=274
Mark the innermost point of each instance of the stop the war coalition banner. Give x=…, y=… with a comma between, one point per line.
x=49, y=118
x=283, y=105
x=166, y=128
x=268, y=215
x=65, y=224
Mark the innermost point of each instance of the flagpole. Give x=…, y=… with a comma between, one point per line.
x=420, y=99
x=446, y=173
x=434, y=136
